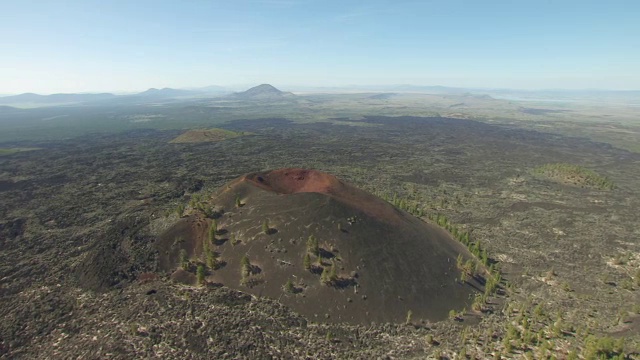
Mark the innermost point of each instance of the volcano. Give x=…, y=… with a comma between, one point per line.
x=262, y=92
x=328, y=250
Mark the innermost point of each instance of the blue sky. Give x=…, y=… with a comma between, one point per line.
x=69, y=46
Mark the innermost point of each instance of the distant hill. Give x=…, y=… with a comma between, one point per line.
x=152, y=94
x=31, y=98
x=166, y=93
x=262, y=92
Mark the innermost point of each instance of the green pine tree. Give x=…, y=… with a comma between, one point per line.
x=312, y=245
x=213, y=230
x=307, y=261
x=324, y=277
x=212, y=262
x=333, y=276
x=245, y=267
x=200, y=274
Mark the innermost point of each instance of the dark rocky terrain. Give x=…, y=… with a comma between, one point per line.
x=81, y=219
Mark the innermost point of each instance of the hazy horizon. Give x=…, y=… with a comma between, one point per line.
x=119, y=46
x=311, y=88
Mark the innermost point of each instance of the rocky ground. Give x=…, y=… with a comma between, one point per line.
x=78, y=219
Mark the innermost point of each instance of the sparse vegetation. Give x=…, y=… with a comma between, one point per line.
x=288, y=286
x=213, y=230
x=307, y=262
x=200, y=274
x=333, y=276
x=9, y=151
x=207, y=135
x=245, y=269
x=180, y=210
x=324, y=277
x=312, y=245
x=574, y=175
x=210, y=255
x=183, y=259
x=455, y=184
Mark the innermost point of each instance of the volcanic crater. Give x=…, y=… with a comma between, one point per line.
x=328, y=250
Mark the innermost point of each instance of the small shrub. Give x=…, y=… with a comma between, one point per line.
x=233, y=240
x=288, y=287
x=184, y=259
x=429, y=339
x=324, y=277
x=180, y=210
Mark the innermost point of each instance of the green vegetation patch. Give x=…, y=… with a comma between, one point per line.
x=574, y=175
x=9, y=151
x=207, y=135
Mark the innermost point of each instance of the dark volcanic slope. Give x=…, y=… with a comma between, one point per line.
x=387, y=261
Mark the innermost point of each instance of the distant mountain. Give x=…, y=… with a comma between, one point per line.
x=166, y=93
x=32, y=98
x=151, y=95
x=262, y=92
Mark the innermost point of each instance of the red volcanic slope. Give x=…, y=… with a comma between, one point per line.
x=292, y=181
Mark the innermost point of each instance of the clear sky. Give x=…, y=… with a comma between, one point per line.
x=90, y=45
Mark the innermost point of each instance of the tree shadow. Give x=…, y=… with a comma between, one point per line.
x=480, y=279
x=325, y=254
x=254, y=269
x=342, y=283
x=222, y=231
x=219, y=264
x=271, y=231
x=251, y=282
x=216, y=214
